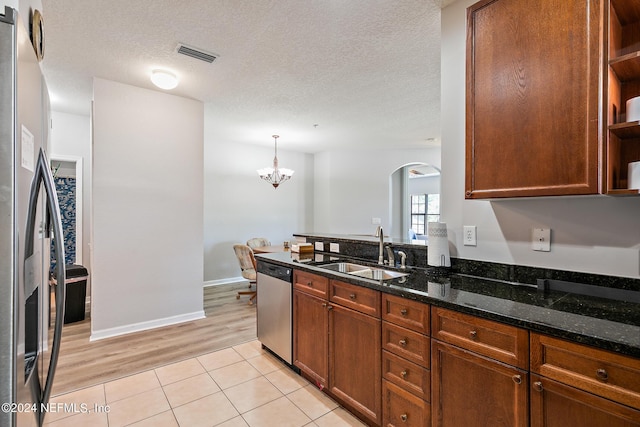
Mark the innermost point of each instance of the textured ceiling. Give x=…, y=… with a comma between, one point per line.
x=366, y=72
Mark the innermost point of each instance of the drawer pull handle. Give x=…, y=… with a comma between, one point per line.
x=403, y=342
x=324, y=304
x=330, y=307
x=404, y=418
x=537, y=386
x=310, y=284
x=352, y=296
x=602, y=374
x=403, y=312
x=403, y=374
x=517, y=379
x=473, y=335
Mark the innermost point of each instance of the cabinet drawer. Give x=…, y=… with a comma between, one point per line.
x=406, y=343
x=407, y=375
x=498, y=341
x=409, y=314
x=600, y=372
x=401, y=408
x=311, y=283
x=356, y=297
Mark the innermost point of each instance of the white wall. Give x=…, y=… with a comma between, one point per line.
x=24, y=8
x=71, y=136
x=238, y=205
x=11, y=3
x=424, y=185
x=352, y=187
x=147, y=209
x=591, y=234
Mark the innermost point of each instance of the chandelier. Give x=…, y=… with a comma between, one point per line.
x=275, y=175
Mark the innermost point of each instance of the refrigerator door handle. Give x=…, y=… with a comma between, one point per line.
x=43, y=176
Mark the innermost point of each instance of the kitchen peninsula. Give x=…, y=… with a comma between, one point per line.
x=525, y=345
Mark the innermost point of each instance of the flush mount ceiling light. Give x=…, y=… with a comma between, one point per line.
x=164, y=79
x=274, y=175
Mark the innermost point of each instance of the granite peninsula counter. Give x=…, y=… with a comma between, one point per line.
x=603, y=323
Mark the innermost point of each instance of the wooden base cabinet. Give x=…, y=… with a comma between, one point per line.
x=355, y=362
x=554, y=404
x=574, y=384
x=310, y=340
x=478, y=370
x=406, y=358
x=339, y=347
x=471, y=390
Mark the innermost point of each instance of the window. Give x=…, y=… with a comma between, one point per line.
x=424, y=208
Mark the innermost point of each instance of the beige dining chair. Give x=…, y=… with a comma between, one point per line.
x=256, y=242
x=247, y=268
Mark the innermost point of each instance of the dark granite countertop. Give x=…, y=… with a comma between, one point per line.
x=358, y=238
x=603, y=323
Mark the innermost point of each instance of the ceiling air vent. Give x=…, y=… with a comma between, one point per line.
x=195, y=53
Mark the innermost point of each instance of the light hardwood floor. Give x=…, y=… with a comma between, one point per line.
x=82, y=363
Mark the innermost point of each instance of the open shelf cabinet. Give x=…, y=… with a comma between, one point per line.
x=623, y=136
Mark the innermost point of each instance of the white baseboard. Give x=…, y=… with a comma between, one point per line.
x=143, y=326
x=227, y=281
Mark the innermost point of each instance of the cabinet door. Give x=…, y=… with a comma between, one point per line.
x=554, y=404
x=310, y=344
x=534, y=77
x=355, y=361
x=467, y=388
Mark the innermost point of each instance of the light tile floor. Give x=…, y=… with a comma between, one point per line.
x=238, y=386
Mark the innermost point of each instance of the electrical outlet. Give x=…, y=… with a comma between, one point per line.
x=470, y=238
x=334, y=247
x=319, y=246
x=376, y=221
x=541, y=239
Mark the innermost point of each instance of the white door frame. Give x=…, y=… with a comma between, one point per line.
x=78, y=162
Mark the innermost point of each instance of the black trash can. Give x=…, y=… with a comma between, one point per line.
x=76, y=292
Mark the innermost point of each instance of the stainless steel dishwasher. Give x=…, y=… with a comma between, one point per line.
x=275, y=309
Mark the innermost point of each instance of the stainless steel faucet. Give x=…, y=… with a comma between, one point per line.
x=391, y=259
x=380, y=234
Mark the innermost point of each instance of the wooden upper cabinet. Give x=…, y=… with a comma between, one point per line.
x=534, y=87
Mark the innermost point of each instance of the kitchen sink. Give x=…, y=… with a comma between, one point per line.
x=378, y=274
x=363, y=271
x=344, y=267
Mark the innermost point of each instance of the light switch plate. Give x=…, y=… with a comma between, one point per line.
x=541, y=239
x=319, y=246
x=334, y=247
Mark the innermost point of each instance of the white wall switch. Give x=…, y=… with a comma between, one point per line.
x=469, y=235
x=541, y=239
x=334, y=247
x=319, y=246
x=376, y=221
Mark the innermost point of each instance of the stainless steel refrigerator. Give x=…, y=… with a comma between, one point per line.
x=30, y=330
